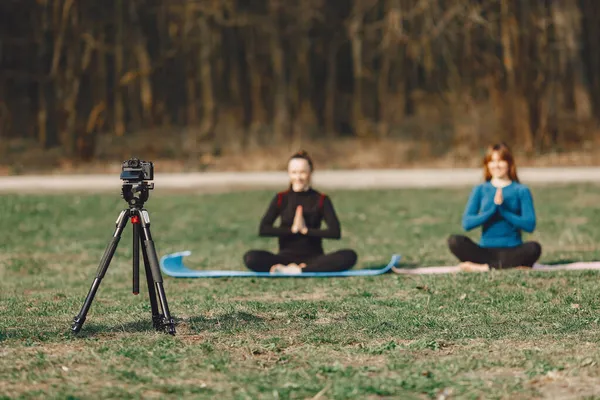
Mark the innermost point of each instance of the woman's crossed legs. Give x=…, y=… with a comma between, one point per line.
x=263, y=261
x=468, y=251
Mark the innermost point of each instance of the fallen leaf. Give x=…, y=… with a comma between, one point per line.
x=444, y=394
x=587, y=361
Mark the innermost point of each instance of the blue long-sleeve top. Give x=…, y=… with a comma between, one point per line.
x=501, y=224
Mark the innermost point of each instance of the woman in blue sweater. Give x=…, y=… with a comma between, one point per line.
x=503, y=207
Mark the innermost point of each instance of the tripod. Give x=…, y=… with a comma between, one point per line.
x=140, y=221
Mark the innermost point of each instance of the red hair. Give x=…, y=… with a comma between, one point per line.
x=505, y=155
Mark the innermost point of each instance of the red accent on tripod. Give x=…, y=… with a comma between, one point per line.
x=135, y=219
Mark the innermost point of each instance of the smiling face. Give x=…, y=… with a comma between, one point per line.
x=300, y=174
x=497, y=166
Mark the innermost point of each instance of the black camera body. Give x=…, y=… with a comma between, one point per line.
x=136, y=170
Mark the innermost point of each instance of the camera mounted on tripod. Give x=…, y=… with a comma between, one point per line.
x=135, y=174
x=136, y=170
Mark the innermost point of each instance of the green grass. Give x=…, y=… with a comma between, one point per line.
x=507, y=334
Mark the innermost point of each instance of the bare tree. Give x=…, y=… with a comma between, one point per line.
x=281, y=107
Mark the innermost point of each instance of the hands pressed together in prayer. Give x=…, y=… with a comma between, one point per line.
x=299, y=225
x=498, y=199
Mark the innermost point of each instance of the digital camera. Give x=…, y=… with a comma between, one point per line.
x=136, y=170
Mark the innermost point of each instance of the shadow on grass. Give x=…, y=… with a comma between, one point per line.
x=413, y=265
x=561, y=261
x=409, y=265
x=227, y=322
x=63, y=331
x=93, y=329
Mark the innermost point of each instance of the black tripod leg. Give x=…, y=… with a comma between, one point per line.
x=157, y=318
x=168, y=323
x=101, y=271
x=136, y=254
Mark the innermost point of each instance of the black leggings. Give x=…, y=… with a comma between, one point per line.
x=262, y=261
x=524, y=255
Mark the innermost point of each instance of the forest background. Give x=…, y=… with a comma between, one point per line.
x=226, y=84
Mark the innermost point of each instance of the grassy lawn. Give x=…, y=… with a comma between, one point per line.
x=509, y=334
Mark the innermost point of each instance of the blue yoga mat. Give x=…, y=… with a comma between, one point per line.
x=172, y=265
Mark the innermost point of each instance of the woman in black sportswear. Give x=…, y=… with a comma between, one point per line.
x=301, y=209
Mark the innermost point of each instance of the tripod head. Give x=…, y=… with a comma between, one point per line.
x=135, y=174
x=129, y=190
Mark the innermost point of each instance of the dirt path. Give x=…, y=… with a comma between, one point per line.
x=332, y=179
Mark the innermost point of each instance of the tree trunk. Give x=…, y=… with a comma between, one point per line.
x=254, y=73
x=515, y=107
x=143, y=64
x=233, y=55
x=536, y=77
x=100, y=95
x=390, y=44
x=188, y=27
x=305, y=119
x=118, y=105
x=71, y=86
x=206, y=79
x=330, y=90
x=42, y=61
x=356, y=38
x=589, y=51
x=281, y=108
